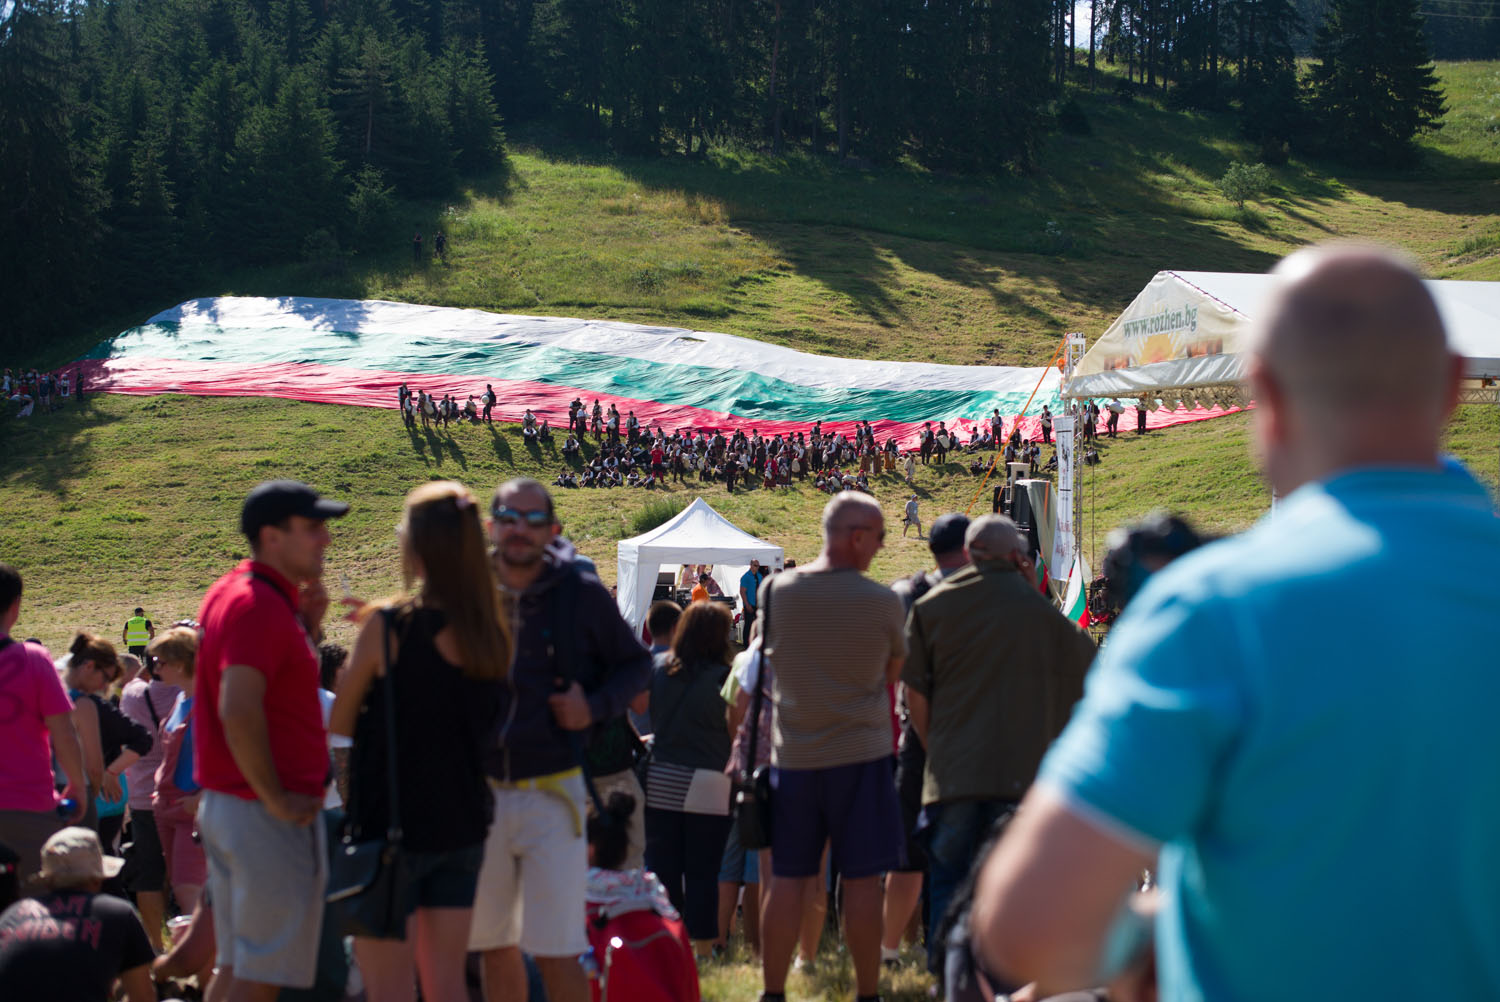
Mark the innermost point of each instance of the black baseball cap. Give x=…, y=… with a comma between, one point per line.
x=947, y=533
x=277, y=500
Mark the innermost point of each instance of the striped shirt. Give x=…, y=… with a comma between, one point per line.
x=831, y=636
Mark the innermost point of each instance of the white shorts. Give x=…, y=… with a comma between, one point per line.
x=535, y=870
x=266, y=877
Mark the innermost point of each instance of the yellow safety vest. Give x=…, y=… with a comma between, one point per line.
x=135, y=632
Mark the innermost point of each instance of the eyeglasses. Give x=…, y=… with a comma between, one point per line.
x=514, y=516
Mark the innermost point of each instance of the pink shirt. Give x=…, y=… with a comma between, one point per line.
x=141, y=777
x=30, y=691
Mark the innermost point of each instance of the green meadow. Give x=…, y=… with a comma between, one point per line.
x=133, y=500
x=129, y=501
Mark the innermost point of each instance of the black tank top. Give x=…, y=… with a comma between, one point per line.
x=443, y=720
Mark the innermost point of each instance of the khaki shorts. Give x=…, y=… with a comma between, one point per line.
x=267, y=878
x=535, y=870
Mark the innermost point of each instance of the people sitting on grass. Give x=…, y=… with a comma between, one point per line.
x=631, y=452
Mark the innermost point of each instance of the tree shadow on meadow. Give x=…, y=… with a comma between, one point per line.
x=845, y=227
x=45, y=451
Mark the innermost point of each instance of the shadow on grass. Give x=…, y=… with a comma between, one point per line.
x=500, y=445
x=1102, y=201
x=45, y=451
x=418, y=444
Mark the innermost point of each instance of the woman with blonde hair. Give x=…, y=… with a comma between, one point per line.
x=174, y=803
x=445, y=655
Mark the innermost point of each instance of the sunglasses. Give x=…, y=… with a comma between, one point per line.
x=515, y=516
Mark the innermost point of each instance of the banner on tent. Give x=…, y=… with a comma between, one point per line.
x=1062, y=538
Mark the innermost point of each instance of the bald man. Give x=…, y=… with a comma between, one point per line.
x=1294, y=726
x=992, y=673
x=835, y=638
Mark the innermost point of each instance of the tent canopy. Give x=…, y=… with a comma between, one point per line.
x=697, y=535
x=1186, y=333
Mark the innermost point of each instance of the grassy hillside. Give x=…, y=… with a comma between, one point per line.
x=133, y=501
x=908, y=263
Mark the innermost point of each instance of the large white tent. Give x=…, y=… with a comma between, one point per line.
x=1185, y=334
x=697, y=535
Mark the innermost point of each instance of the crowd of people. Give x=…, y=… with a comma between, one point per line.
x=31, y=390
x=922, y=758
x=630, y=453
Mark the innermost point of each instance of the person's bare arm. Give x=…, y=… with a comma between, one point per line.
x=137, y=984
x=242, y=710
x=69, y=752
x=364, y=667
x=738, y=709
x=642, y=702
x=1049, y=893
x=893, y=670
x=86, y=722
x=116, y=769
x=918, y=712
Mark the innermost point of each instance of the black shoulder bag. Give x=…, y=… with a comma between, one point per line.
x=752, y=802
x=365, y=877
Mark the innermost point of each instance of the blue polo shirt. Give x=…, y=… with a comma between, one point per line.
x=1303, y=719
x=750, y=581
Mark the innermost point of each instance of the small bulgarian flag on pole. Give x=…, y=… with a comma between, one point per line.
x=1076, y=599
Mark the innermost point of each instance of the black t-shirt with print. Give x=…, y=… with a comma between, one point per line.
x=69, y=946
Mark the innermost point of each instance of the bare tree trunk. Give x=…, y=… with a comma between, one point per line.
x=1072, y=34
x=1213, y=43
x=775, y=99
x=1093, y=36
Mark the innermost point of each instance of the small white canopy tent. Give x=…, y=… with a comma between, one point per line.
x=698, y=535
x=1184, y=338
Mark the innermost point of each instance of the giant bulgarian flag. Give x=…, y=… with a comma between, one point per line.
x=358, y=352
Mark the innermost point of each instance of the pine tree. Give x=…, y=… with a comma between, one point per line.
x=287, y=178
x=1373, y=86
x=48, y=203
x=1270, y=108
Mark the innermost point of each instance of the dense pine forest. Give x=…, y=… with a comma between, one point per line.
x=148, y=144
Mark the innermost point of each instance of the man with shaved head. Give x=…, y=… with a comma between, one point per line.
x=835, y=639
x=992, y=673
x=1290, y=725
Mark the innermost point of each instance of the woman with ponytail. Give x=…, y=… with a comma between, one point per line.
x=111, y=741
x=448, y=650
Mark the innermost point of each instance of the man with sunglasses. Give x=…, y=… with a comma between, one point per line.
x=994, y=672
x=577, y=666
x=835, y=638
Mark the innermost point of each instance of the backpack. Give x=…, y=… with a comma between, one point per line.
x=639, y=955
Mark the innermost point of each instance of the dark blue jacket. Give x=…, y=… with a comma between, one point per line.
x=608, y=661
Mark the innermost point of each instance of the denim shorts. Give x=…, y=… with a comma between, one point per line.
x=741, y=865
x=852, y=806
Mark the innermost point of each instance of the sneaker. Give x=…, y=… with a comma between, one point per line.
x=889, y=957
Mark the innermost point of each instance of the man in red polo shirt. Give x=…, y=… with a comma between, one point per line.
x=260, y=749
